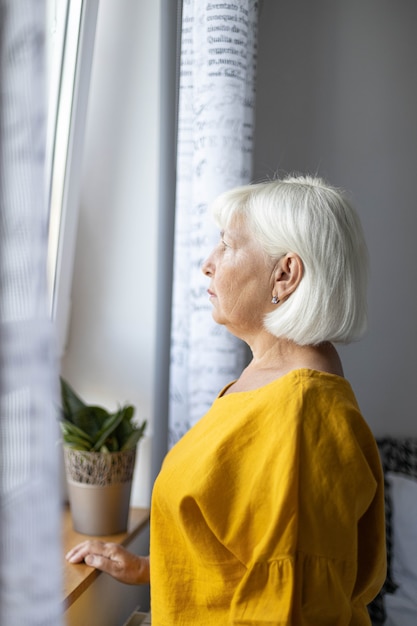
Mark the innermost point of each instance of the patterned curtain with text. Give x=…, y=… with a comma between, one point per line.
x=214, y=153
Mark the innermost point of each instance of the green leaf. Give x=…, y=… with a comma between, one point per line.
x=74, y=438
x=91, y=420
x=128, y=412
x=135, y=436
x=110, y=424
x=131, y=441
x=125, y=427
x=77, y=444
x=68, y=428
x=71, y=402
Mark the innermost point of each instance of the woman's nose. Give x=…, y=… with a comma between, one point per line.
x=207, y=266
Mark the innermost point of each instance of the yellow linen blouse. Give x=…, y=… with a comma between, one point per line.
x=270, y=511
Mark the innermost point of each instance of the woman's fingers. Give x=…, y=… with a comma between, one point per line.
x=79, y=552
x=112, y=559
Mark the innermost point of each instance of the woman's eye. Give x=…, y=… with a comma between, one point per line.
x=224, y=244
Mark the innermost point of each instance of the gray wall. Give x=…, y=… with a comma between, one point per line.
x=110, y=356
x=337, y=95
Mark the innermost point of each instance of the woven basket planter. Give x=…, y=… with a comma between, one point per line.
x=99, y=488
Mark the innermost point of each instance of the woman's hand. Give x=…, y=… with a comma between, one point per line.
x=112, y=559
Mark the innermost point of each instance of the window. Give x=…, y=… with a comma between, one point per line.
x=71, y=31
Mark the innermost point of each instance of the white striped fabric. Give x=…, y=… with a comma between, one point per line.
x=30, y=553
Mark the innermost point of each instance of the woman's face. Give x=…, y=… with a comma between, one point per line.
x=241, y=280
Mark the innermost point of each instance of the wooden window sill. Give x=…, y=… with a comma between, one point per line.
x=78, y=577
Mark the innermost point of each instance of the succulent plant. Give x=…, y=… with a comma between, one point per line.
x=93, y=429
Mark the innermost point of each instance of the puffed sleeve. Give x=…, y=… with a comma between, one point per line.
x=303, y=590
x=317, y=559
x=311, y=534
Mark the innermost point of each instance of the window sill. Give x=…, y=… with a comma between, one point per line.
x=78, y=577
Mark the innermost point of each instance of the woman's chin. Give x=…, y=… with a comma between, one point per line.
x=219, y=319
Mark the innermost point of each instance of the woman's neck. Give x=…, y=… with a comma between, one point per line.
x=279, y=357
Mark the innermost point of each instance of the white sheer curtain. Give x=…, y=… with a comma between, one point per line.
x=215, y=142
x=30, y=556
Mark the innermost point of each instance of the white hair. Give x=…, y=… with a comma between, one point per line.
x=305, y=215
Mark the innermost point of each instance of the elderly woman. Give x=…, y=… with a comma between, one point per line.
x=270, y=510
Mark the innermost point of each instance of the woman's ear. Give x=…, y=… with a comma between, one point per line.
x=288, y=274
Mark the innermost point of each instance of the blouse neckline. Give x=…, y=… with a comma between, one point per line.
x=302, y=372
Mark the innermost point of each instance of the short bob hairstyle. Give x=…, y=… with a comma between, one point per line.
x=305, y=215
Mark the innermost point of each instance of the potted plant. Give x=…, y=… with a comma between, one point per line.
x=99, y=454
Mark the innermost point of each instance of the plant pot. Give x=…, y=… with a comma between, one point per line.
x=99, y=488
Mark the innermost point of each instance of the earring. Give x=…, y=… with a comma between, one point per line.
x=274, y=300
